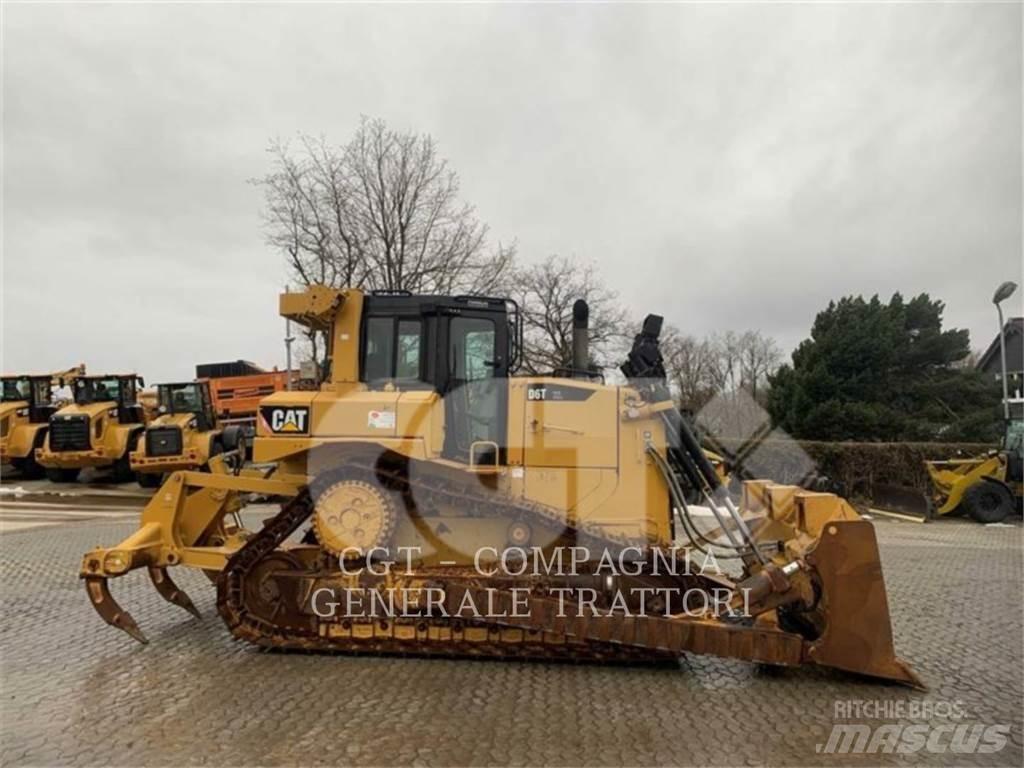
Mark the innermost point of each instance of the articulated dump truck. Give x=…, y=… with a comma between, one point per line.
x=435, y=504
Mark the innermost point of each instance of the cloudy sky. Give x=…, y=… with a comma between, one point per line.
x=726, y=165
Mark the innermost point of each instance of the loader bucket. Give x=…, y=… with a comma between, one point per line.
x=900, y=501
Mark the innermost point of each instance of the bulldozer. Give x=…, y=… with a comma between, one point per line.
x=26, y=404
x=99, y=429
x=988, y=488
x=434, y=503
x=184, y=435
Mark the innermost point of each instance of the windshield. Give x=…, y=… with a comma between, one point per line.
x=96, y=390
x=180, y=398
x=15, y=389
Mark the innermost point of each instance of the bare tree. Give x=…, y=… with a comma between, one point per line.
x=690, y=365
x=721, y=378
x=759, y=357
x=380, y=212
x=743, y=361
x=546, y=292
x=741, y=364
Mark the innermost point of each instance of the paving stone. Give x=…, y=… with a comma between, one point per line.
x=76, y=692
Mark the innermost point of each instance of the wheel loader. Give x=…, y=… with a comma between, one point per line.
x=437, y=504
x=185, y=434
x=987, y=488
x=99, y=429
x=26, y=404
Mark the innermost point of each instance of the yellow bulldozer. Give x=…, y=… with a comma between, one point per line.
x=99, y=429
x=184, y=435
x=437, y=504
x=26, y=404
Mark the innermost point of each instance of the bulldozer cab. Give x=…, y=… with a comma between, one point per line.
x=35, y=390
x=463, y=348
x=188, y=397
x=119, y=389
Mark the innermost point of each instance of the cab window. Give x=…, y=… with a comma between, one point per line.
x=15, y=389
x=471, y=348
x=407, y=364
x=180, y=398
x=393, y=349
x=96, y=390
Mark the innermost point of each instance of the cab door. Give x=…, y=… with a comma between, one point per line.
x=476, y=388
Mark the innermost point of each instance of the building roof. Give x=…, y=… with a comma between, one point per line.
x=1014, y=329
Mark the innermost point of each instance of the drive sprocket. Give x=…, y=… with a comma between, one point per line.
x=353, y=514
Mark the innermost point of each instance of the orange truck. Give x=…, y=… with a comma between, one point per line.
x=236, y=388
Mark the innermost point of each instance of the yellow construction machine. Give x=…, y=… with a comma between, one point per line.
x=26, y=404
x=184, y=435
x=986, y=488
x=437, y=504
x=99, y=429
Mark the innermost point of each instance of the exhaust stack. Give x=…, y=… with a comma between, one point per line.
x=580, y=339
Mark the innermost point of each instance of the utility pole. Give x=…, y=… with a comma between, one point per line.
x=288, y=339
x=1002, y=293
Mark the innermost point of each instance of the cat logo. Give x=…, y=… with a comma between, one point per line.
x=286, y=420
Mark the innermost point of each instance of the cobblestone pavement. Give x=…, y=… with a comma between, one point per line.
x=34, y=503
x=75, y=692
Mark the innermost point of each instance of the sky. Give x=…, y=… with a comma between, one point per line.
x=728, y=166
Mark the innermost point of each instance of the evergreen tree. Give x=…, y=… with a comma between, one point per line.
x=876, y=371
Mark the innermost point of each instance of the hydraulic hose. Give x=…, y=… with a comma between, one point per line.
x=693, y=533
x=689, y=451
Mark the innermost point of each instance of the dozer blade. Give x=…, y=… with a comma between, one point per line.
x=847, y=626
x=857, y=632
x=108, y=609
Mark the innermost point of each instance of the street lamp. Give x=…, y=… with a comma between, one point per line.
x=1002, y=293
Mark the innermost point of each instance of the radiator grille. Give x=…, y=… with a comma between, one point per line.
x=163, y=441
x=69, y=433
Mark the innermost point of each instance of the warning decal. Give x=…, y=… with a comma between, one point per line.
x=381, y=419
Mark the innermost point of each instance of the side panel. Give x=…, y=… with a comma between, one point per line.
x=411, y=422
x=641, y=493
x=570, y=423
x=21, y=438
x=418, y=412
x=580, y=491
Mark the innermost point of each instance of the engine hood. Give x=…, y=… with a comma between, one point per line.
x=6, y=409
x=92, y=410
x=180, y=420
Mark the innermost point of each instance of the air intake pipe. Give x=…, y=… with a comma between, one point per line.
x=580, y=339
